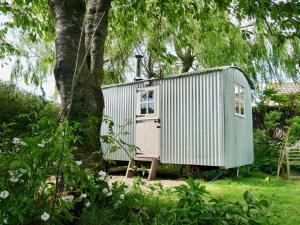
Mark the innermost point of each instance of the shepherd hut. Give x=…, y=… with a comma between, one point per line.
x=197, y=118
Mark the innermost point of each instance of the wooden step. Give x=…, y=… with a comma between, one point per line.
x=143, y=159
x=140, y=169
x=151, y=171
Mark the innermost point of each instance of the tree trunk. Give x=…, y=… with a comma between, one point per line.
x=186, y=58
x=79, y=70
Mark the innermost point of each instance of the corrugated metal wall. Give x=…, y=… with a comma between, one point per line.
x=120, y=106
x=192, y=120
x=238, y=130
x=194, y=109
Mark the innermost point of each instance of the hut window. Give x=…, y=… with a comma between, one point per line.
x=239, y=96
x=147, y=102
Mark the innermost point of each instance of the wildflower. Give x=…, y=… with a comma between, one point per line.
x=109, y=194
x=16, y=141
x=45, y=216
x=88, y=204
x=118, y=203
x=68, y=198
x=42, y=144
x=83, y=195
x=105, y=190
x=14, y=179
x=122, y=196
x=4, y=194
x=78, y=163
x=102, y=173
x=5, y=221
x=41, y=190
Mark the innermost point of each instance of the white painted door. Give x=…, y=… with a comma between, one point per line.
x=148, y=122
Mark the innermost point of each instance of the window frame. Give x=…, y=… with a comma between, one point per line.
x=154, y=102
x=240, y=101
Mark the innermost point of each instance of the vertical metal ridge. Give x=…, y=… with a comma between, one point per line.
x=191, y=123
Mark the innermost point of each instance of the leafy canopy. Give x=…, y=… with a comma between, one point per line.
x=262, y=37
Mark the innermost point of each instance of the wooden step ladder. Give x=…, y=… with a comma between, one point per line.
x=151, y=171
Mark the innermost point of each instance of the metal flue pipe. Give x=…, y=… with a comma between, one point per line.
x=138, y=67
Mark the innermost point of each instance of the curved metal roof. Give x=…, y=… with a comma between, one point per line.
x=199, y=72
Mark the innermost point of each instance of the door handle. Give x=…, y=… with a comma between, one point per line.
x=157, y=121
x=157, y=126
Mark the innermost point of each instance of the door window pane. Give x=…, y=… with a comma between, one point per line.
x=151, y=107
x=144, y=108
x=143, y=96
x=150, y=95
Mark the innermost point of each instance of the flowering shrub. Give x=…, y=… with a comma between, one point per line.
x=41, y=183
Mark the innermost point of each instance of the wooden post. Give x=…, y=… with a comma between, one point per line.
x=153, y=169
x=129, y=172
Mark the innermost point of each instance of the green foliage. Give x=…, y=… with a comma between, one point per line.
x=20, y=112
x=213, y=31
x=278, y=120
x=186, y=204
x=114, y=138
x=44, y=182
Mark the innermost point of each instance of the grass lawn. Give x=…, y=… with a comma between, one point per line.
x=283, y=195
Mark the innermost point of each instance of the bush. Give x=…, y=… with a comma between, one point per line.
x=275, y=121
x=40, y=181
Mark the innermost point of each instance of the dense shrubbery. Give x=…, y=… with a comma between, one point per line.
x=276, y=122
x=40, y=181
x=20, y=111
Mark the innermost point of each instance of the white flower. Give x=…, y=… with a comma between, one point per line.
x=122, y=196
x=16, y=141
x=4, y=194
x=118, y=203
x=68, y=198
x=5, y=221
x=102, y=173
x=14, y=179
x=42, y=144
x=45, y=216
x=83, y=195
x=109, y=194
x=41, y=189
x=105, y=190
x=78, y=163
x=88, y=204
